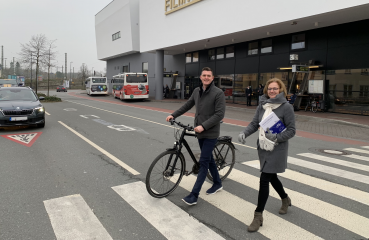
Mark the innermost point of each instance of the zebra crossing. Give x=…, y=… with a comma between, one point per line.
x=72, y=218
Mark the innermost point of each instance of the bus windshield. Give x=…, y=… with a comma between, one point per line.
x=98, y=80
x=139, y=78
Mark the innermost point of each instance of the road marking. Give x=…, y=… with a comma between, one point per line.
x=357, y=150
x=365, y=147
x=71, y=218
x=354, y=156
x=86, y=116
x=26, y=139
x=329, y=170
x=70, y=109
x=47, y=113
x=340, y=190
x=119, y=162
x=243, y=211
x=147, y=120
x=336, y=161
x=342, y=217
x=121, y=128
x=165, y=216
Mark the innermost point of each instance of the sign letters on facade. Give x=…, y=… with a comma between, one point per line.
x=175, y=5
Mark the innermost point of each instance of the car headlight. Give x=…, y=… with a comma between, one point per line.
x=40, y=109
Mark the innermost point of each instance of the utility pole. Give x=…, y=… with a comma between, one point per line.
x=31, y=69
x=70, y=74
x=13, y=66
x=66, y=72
x=2, y=61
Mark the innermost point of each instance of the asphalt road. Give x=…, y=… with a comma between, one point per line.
x=83, y=178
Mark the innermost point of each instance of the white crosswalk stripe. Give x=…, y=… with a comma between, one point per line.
x=241, y=209
x=71, y=218
x=357, y=150
x=335, y=161
x=354, y=156
x=329, y=170
x=365, y=147
x=340, y=190
x=166, y=217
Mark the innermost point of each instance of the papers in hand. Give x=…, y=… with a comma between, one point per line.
x=272, y=122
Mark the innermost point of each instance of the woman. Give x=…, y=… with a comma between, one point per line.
x=272, y=148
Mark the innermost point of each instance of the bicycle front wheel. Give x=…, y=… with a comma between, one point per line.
x=224, y=156
x=165, y=173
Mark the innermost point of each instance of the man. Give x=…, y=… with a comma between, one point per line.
x=248, y=95
x=210, y=108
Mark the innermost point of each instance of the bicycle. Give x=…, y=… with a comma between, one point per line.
x=312, y=104
x=168, y=168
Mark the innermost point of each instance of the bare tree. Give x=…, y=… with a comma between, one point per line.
x=34, y=51
x=83, y=72
x=49, y=57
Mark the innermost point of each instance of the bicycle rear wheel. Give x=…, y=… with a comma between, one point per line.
x=165, y=174
x=224, y=156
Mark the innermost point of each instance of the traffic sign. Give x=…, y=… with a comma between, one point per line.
x=26, y=139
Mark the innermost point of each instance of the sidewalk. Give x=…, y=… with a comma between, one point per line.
x=347, y=126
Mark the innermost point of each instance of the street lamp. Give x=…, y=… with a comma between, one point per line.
x=70, y=74
x=92, y=71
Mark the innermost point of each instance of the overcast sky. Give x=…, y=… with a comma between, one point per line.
x=70, y=22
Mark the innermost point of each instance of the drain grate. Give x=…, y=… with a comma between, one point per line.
x=329, y=151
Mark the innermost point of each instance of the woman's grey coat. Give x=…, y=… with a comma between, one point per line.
x=276, y=160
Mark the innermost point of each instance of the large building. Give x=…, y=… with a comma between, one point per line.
x=245, y=43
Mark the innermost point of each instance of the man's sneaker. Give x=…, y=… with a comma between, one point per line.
x=190, y=199
x=214, y=189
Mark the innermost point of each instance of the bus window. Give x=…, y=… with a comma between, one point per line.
x=98, y=80
x=139, y=78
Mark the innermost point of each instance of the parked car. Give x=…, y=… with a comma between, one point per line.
x=61, y=89
x=21, y=107
x=9, y=83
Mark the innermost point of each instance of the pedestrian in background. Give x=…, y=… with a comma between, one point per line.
x=248, y=95
x=260, y=92
x=272, y=148
x=210, y=109
x=166, y=91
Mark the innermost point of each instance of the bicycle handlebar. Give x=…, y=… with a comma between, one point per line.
x=187, y=127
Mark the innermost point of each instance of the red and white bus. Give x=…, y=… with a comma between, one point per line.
x=130, y=86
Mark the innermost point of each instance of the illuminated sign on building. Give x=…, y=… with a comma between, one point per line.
x=175, y=5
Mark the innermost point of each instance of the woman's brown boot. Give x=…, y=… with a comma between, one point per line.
x=285, y=203
x=256, y=223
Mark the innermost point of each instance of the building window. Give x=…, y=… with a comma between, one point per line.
x=145, y=67
x=115, y=36
x=188, y=57
x=347, y=90
x=211, y=54
x=364, y=91
x=220, y=53
x=266, y=46
x=125, y=69
x=230, y=52
x=253, y=48
x=298, y=41
x=195, y=57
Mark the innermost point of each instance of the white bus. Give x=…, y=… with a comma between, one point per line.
x=96, y=85
x=130, y=86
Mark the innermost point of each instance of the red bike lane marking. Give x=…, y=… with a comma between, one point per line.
x=26, y=139
x=241, y=123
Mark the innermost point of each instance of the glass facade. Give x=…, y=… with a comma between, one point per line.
x=348, y=91
x=240, y=84
x=195, y=57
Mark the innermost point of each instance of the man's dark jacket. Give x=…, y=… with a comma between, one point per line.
x=210, y=110
x=248, y=91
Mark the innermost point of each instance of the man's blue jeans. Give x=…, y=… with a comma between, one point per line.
x=206, y=163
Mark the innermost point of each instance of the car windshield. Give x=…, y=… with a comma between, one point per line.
x=98, y=80
x=139, y=78
x=17, y=95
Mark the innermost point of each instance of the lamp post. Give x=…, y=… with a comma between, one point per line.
x=70, y=74
x=92, y=72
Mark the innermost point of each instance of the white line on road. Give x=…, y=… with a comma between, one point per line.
x=357, y=150
x=243, y=212
x=336, y=161
x=165, y=216
x=71, y=218
x=119, y=162
x=354, y=156
x=340, y=190
x=47, y=113
x=342, y=217
x=148, y=120
x=329, y=170
x=365, y=147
